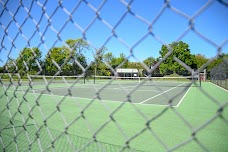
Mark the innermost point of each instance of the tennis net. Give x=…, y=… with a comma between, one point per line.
x=58, y=79
x=150, y=81
x=44, y=80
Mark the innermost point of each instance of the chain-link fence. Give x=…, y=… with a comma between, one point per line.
x=219, y=74
x=39, y=114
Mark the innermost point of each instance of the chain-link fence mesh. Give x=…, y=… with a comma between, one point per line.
x=219, y=74
x=37, y=114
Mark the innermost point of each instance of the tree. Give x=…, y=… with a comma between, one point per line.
x=10, y=66
x=109, y=57
x=150, y=61
x=119, y=60
x=135, y=65
x=98, y=62
x=59, y=55
x=78, y=45
x=77, y=48
x=1, y=69
x=29, y=58
x=200, y=60
x=102, y=68
x=99, y=66
x=217, y=61
x=181, y=51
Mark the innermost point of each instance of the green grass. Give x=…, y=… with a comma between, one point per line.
x=197, y=108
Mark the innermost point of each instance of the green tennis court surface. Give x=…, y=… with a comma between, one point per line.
x=76, y=119
x=149, y=92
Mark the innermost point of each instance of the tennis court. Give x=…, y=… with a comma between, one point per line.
x=156, y=91
x=113, y=76
x=87, y=116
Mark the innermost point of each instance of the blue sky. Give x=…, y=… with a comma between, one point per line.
x=212, y=23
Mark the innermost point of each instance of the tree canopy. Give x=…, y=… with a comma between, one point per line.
x=70, y=59
x=200, y=60
x=181, y=51
x=58, y=56
x=150, y=61
x=28, y=60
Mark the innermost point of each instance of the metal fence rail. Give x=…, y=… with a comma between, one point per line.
x=32, y=120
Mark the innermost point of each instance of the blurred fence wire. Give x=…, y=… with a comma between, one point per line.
x=32, y=118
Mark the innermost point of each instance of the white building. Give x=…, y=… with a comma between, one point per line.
x=128, y=72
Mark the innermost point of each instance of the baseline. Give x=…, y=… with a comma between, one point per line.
x=44, y=94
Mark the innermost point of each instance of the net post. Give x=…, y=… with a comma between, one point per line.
x=94, y=77
x=205, y=74
x=199, y=77
x=196, y=75
x=193, y=74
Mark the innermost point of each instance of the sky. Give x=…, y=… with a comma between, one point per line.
x=140, y=29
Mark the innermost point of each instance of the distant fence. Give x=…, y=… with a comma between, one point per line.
x=219, y=74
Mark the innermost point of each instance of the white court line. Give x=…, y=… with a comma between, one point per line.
x=44, y=94
x=115, y=100
x=152, y=104
x=183, y=96
x=161, y=93
x=78, y=87
x=127, y=88
x=219, y=87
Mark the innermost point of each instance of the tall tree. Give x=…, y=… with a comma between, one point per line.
x=10, y=66
x=77, y=47
x=181, y=51
x=135, y=65
x=217, y=61
x=99, y=66
x=1, y=69
x=56, y=55
x=109, y=57
x=119, y=60
x=114, y=61
x=150, y=61
x=103, y=69
x=200, y=60
x=29, y=58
